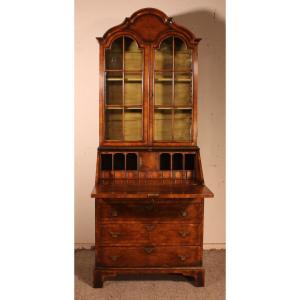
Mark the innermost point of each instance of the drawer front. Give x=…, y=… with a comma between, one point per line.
x=147, y=211
x=121, y=234
x=148, y=256
x=149, y=233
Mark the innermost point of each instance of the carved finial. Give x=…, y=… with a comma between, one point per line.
x=169, y=20
x=99, y=39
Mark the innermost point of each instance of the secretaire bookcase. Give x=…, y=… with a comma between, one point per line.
x=149, y=189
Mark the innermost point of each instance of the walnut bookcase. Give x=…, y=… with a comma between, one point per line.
x=149, y=189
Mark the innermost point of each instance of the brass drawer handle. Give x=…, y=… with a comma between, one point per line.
x=183, y=213
x=148, y=250
x=150, y=227
x=115, y=234
x=183, y=233
x=114, y=213
x=114, y=257
x=182, y=257
x=153, y=195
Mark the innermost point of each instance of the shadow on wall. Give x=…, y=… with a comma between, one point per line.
x=211, y=55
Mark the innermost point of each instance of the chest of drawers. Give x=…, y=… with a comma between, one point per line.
x=149, y=236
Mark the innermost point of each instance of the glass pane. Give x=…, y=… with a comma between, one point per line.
x=133, y=125
x=183, y=56
x=163, y=88
x=182, y=124
x=183, y=89
x=114, y=55
x=164, y=55
x=114, y=127
x=133, y=89
x=133, y=55
x=114, y=88
x=163, y=124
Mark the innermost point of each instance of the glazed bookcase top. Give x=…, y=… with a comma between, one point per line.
x=148, y=82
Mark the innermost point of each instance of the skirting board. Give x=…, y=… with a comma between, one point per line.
x=206, y=246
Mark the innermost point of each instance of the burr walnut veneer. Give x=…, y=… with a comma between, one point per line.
x=149, y=189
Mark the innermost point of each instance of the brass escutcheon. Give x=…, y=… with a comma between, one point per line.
x=183, y=233
x=182, y=257
x=183, y=213
x=114, y=257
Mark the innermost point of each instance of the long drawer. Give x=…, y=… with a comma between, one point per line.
x=148, y=233
x=147, y=211
x=148, y=256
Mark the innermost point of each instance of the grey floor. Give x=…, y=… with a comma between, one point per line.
x=150, y=287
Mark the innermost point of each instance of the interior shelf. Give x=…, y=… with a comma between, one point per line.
x=125, y=80
x=123, y=106
x=126, y=71
x=114, y=107
x=174, y=107
x=174, y=71
x=171, y=79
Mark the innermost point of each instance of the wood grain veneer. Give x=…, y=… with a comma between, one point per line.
x=149, y=186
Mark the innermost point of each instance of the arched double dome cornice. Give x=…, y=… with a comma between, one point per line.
x=148, y=25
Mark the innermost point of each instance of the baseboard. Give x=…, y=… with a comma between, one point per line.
x=209, y=246
x=206, y=246
x=87, y=246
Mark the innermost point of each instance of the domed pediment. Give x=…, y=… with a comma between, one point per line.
x=148, y=25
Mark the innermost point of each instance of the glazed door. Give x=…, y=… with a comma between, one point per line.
x=173, y=98
x=124, y=93
x=148, y=98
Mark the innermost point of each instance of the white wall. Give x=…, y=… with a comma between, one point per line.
x=206, y=19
